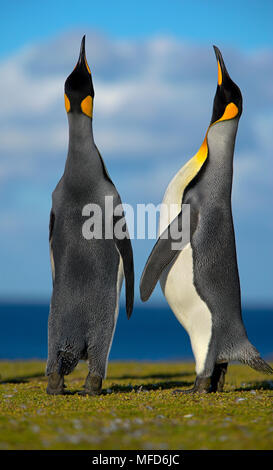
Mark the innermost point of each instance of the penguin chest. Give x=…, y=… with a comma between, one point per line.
x=190, y=310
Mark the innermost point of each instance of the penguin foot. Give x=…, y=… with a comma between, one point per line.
x=90, y=393
x=201, y=385
x=218, y=377
x=55, y=384
x=92, y=385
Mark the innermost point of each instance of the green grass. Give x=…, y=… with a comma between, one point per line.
x=136, y=411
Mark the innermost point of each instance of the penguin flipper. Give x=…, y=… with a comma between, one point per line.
x=124, y=248
x=163, y=253
x=51, y=226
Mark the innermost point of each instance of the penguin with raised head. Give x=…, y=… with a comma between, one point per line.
x=87, y=271
x=200, y=280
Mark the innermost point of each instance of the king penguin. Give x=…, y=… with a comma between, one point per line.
x=201, y=281
x=87, y=272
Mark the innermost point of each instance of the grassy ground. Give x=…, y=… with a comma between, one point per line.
x=136, y=411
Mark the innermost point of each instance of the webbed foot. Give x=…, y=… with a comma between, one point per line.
x=55, y=384
x=92, y=385
x=201, y=385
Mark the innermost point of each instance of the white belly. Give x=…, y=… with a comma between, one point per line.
x=190, y=310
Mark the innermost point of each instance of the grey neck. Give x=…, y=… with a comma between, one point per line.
x=219, y=172
x=82, y=161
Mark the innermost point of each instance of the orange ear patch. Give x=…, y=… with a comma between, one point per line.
x=231, y=112
x=66, y=103
x=220, y=78
x=87, y=106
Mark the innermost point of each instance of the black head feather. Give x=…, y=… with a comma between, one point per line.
x=227, y=91
x=79, y=83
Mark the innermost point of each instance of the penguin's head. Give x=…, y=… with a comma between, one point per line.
x=228, y=98
x=78, y=88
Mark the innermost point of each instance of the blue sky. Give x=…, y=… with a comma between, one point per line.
x=244, y=23
x=155, y=75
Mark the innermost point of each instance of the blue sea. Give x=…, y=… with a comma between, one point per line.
x=152, y=333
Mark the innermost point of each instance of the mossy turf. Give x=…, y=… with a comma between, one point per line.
x=137, y=410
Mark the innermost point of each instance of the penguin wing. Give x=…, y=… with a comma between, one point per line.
x=166, y=249
x=51, y=226
x=124, y=247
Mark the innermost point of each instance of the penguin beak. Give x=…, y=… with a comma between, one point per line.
x=82, y=57
x=222, y=71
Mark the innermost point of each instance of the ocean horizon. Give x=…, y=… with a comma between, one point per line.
x=151, y=334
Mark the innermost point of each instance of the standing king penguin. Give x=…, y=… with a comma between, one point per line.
x=87, y=273
x=201, y=280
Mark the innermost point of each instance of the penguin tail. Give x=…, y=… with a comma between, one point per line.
x=258, y=363
x=251, y=356
x=67, y=362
